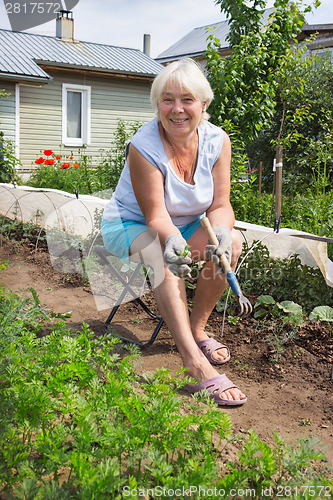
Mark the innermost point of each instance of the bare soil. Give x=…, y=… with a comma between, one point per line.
x=292, y=396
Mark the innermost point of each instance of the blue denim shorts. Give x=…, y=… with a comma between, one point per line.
x=119, y=234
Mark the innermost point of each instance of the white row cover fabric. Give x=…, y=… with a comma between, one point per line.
x=72, y=227
x=51, y=208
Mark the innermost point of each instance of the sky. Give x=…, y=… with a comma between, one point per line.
x=124, y=22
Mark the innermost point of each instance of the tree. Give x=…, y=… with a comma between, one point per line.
x=303, y=123
x=246, y=83
x=263, y=92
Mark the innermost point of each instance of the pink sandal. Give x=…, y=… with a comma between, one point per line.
x=211, y=345
x=215, y=386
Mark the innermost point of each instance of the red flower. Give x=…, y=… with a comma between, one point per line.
x=48, y=152
x=76, y=165
x=65, y=165
x=49, y=162
x=39, y=160
x=58, y=157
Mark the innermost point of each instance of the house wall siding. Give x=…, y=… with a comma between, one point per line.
x=7, y=110
x=111, y=98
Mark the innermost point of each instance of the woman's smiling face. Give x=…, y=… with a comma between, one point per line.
x=179, y=111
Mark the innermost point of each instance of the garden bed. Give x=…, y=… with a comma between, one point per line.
x=292, y=396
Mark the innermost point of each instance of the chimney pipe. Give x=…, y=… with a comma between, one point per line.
x=65, y=26
x=146, y=44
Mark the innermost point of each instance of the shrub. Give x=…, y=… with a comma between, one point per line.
x=64, y=172
x=284, y=279
x=8, y=161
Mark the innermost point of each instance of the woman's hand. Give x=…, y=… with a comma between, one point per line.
x=213, y=252
x=176, y=257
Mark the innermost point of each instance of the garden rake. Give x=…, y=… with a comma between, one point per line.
x=244, y=303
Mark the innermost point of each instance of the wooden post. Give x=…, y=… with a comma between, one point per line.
x=278, y=181
x=260, y=177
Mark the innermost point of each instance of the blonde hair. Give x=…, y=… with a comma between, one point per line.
x=188, y=74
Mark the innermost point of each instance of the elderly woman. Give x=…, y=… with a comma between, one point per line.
x=178, y=170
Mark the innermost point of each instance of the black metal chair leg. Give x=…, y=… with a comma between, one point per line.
x=139, y=344
x=102, y=253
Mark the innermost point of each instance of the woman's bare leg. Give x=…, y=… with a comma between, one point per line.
x=209, y=288
x=171, y=299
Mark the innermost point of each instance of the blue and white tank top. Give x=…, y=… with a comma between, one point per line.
x=184, y=202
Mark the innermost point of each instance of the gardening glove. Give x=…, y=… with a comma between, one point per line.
x=213, y=252
x=177, y=262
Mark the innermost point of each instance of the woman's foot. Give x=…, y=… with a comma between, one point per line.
x=209, y=346
x=217, y=387
x=206, y=372
x=215, y=352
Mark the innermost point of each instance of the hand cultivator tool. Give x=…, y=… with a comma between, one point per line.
x=244, y=303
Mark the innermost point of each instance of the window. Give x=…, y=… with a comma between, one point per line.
x=75, y=114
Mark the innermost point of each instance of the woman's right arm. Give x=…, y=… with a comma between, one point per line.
x=148, y=186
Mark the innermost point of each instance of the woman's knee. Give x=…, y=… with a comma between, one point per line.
x=146, y=248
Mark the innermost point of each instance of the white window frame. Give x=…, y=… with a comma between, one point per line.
x=85, y=91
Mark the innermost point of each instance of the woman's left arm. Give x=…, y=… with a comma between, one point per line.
x=220, y=213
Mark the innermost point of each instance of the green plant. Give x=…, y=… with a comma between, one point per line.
x=78, y=422
x=284, y=318
x=283, y=279
x=304, y=211
x=322, y=313
x=111, y=163
x=75, y=173
x=246, y=82
x=227, y=298
x=234, y=320
x=306, y=154
x=75, y=404
x=64, y=172
x=137, y=320
x=305, y=421
x=277, y=338
x=267, y=92
x=279, y=310
x=276, y=471
x=8, y=161
x=28, y=313
x=241, y=365
x=15, y=229
x=124, y=131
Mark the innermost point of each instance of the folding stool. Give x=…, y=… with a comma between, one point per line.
x=103, y=255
